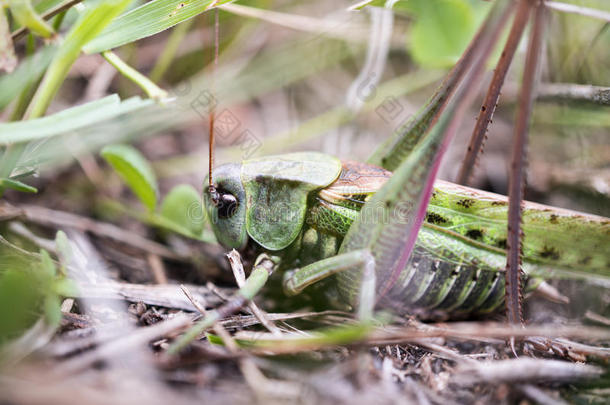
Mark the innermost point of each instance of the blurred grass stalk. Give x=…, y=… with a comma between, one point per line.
x=90, y=24
x=170, y=49
x=311, y=128
x=151, y=89
x=8, y=60
x=233, y=85
x=24, y=13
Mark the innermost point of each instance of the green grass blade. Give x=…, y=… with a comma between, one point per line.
x=69, y=120
x=25, y=14
x=146, y=20
x=94, y=20
x=16, y=185
x=151, y=89
x=29, y=70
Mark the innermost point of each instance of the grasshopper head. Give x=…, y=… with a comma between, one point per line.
x=226, y=210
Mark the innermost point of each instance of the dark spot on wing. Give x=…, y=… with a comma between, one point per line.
x=549, y=252
x=466, y=202
x=585, y=260
x=475, y=234
x=435, y=218
x=498, y=203
x=554, y=219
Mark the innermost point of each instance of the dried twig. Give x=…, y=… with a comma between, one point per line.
x=119, y=346
x=597, y=318
x=345, y=30
x=293, y=343
x=168, y=296
x=33, y=339
x=524, y=370
x=569, y=349
x=62, y=219
x=574, y=92
x=540, y=396
x=252, y=374
x=157, y=267
x=240, y=278
x=574, y=9
x=23, y=231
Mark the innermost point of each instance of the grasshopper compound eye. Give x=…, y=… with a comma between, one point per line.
x=227, y=205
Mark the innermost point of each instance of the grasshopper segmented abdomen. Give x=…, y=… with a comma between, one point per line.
x=438, y=288
x=434, y=288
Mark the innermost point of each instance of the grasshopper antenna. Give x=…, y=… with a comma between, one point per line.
x=214, y=195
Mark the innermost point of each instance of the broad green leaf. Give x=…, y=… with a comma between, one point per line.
x=70, y=119
x=135, y=171
x=92, y=22
x=17, y=185
x=442, y=28
x=52, y=309
x=65, y=287
x=441, y=31
x=46, y=263
x=20, y=297
x=182, y=205
x=29, y=288
x=64, y=250
x=146, y=20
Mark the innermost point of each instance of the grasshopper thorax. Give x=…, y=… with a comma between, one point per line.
x=225, y=205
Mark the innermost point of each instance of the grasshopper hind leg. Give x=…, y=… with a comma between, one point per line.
x=295, y=281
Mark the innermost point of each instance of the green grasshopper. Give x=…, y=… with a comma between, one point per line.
x=313, y=216
x=298, y=208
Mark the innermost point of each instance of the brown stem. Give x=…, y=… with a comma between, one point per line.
x=46, y=16
x=518, y=167
x=478, y=136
